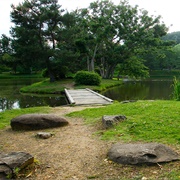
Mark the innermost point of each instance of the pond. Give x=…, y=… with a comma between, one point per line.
x=11, y=98
x=141, y=90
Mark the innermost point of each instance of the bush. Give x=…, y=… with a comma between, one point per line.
x=59, y=72
x=45, y=73
x=176, y=89
x=87, y=78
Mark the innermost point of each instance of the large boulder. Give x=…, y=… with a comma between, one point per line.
x=10, y=162
x=37, y=121
x=111, y=120
x=141, y=153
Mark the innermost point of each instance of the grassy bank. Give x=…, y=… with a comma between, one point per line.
x=146, y=121
x=46, y=87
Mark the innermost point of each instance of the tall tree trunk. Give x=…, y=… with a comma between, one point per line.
x=93, y=58
x=110, y=71
x=88, y=64
x=50, y=72
x=106, y=70
x=102, y=67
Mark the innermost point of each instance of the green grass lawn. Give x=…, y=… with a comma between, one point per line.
x=147, y=121
x=46, y=87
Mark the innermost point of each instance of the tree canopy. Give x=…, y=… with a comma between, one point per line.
x=173, y=36
x=98, y=38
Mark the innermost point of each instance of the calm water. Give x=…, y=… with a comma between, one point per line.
x=144, y=90
x=10, y=98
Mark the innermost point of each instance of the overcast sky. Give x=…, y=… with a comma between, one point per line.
x=169, y=10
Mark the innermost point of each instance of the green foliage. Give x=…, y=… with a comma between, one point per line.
x=60, y=72
x=4, y=68
x=87, y=78
x=148, y=121
x=36, y=27
x=176, y=89
x=102, y=35
x=174, y=36
x=164, y=73
x=17, y=76
x=134, y=68
x=44, y=73
x=115, y=43
x=175, y=58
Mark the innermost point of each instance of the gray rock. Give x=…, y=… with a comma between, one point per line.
x=141, y=153
x=109, y=121
x=37, y=121
x=128, y=101
x=44, y=135
x=10, y=162
x=4, y=171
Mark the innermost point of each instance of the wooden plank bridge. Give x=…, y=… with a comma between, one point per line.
x=86, y=97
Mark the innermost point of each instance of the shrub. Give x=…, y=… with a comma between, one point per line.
x=87, y=78
x=176, y=89
x=45, y=73
x=59, y=72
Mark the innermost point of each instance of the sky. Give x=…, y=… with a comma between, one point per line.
x=169, y=10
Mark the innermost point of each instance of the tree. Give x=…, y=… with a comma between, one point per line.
x=118, y=32
x=5, y=45
x=176, y=58
x=35, y=32
x=100, y=36
x=174, y=36
x=133, y=67
x=7, y=58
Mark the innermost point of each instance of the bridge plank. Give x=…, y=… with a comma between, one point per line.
x=85, y=97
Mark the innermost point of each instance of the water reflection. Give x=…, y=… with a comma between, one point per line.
x=48, y=100
x=7, y=104
x=10, y=98
x=141, y=90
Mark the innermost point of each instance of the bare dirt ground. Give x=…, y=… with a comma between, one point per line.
x=73, y=153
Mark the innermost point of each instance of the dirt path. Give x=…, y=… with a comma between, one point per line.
x=73, y=153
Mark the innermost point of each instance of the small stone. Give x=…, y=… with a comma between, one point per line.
x=128, y=101
x=44, y=135
x=144, y=178
x=109, y=121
